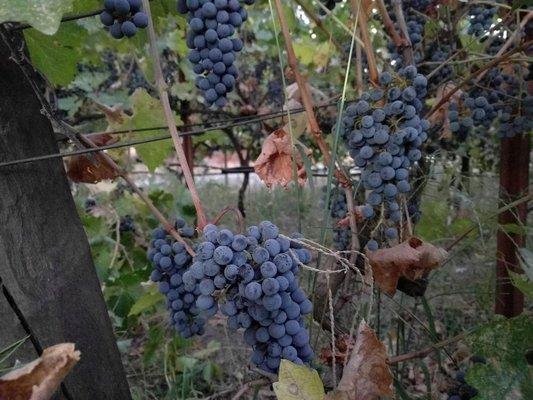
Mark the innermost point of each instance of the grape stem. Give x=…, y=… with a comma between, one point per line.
x=238, y=217
x=169, y=117
x=161, y=218
x=362, y=19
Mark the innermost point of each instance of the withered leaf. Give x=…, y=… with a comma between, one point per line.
x=410, y=259
x=275, y=163
x=367, y=375
x=39, y=379
x=91, y=170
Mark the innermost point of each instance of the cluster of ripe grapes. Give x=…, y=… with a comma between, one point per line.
x=439, y=52
x=212, y=23
x=384, y=132
x=338, y=208
x=251, y=278
x=127, y=224
x=123, y=17
x=480, y=19
x=415, y=22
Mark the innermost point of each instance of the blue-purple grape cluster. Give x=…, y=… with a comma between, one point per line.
x=384, y=133
x=338, y=208
x=171, y=263
x=123, y=17
x=438, y=52
x=251, y=278
x=412, y=10
x=212, y=23
x=127, y=224
x=480, y=18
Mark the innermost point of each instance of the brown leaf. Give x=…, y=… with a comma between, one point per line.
x=92, y=170
x=410, y=259
x=275, y=163
x=39, y=379
x=367, y=375
x=344, y=345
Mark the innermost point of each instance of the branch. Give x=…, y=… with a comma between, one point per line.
x=424, y=352
x=359, y=69
x=163, y=96
x=304, y=92
x=407, y=50
x=398, y=41
x=363, y=28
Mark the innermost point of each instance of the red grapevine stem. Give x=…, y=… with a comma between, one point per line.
x=365, y=37
x=169, y=117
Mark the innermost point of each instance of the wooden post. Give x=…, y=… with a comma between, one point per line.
x=514, y=181
x=49, y=285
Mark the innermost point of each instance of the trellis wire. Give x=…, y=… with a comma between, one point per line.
x=130, y=143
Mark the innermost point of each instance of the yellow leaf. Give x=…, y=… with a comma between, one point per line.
x=297, y=382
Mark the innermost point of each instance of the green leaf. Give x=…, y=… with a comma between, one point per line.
x=148, y=112
x=297, y=382
x=503, y=342
x=146, y=302
x=57, y=56
x=43, y=15
x=522, y=284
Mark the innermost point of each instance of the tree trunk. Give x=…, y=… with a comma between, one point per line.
x=514, y=181
x=49, y=286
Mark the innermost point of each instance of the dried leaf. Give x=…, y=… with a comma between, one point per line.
x=410, y=259
x=344, y=345
x=92, y=170
x=39, y=379
x=275, y=163
x=367, y=375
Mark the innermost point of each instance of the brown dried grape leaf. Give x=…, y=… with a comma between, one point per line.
x=274, y=164
x=367, y=375
x=39, y=379
x=92, y=170
x=410, y=259
x=344, y=345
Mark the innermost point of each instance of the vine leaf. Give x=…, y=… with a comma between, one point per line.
x=45, y=16
x=504, y=343
x=367, y=375
x=39, y=379
x=410, y=259
x=275, y=163
x=297, y=382
x=82, y=169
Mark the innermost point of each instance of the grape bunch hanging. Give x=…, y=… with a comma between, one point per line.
x=123, y=17
x=251, y=278
x=212, y=23
x=384, y=132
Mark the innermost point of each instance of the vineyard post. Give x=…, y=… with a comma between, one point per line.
x=514, y=181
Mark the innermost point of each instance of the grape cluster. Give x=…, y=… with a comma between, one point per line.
x=123, y=17
x=480, y=19
x=251, y=278
x=415, y=28
x=212, y=23
x=338, y=208
x=171, y=264
x=384, y=132
x=329, y=4
x=439, y=52
x=462, y=390
x=127, y=224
